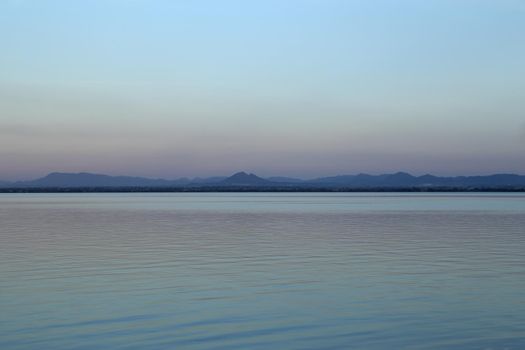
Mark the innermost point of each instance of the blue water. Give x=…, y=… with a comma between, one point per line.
x=262, y=271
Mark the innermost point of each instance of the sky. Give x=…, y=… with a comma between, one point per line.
x=276, y=87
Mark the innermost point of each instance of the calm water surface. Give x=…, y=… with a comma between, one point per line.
x=262, y=271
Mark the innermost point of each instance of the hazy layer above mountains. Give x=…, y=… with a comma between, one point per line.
x=400, y=179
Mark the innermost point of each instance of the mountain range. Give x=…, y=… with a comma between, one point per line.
x=243, y=179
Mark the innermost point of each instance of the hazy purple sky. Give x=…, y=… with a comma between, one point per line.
x=299, y=88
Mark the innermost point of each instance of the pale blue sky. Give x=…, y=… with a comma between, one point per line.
x=299, y=88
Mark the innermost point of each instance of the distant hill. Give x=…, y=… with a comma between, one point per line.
x=94, y=180
x=244, y=179
x=402, y=179
x=396, y=180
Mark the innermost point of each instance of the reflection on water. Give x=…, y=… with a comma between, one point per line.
x=267, y=271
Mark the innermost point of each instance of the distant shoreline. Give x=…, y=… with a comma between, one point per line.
x=240, y=189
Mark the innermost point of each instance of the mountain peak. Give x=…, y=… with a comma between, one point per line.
x=243, y=178
x=241, y=173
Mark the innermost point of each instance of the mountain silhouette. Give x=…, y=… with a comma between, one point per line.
x=244, y=179
x=402, y=179
x=92, y=180
x=396, y=180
